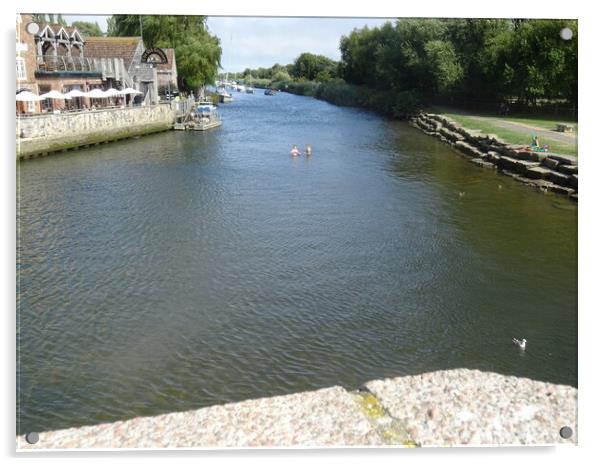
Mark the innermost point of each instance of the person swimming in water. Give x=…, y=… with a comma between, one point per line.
x=294, y=151
x=308, y=149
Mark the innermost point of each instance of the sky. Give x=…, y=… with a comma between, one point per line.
x=252, y=42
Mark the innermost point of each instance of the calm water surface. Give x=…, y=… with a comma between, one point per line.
x=182, y=270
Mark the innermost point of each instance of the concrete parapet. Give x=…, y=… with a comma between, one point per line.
x=451, y=407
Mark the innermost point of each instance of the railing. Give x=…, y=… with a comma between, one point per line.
x=79, y=111
x=108, y=67
x=182, y=107
x=65, y=63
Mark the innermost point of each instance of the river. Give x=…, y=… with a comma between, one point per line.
x=186, y=269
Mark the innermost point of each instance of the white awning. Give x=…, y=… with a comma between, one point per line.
x=27, y=96
x=55, y=95
x=129, y=90
x=75, y=93
x=96, y=94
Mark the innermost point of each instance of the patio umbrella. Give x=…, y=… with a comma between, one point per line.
x=96, y=94
x=129, y=90
x=75, y=93
x=27, y=96
x=54, y=95
x=112, y=93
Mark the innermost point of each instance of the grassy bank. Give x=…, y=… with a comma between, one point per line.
x=515, y=130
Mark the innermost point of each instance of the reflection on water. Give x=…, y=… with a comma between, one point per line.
x=182, y=270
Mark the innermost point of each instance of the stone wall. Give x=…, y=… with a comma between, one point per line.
x=43, y=134
x=545, y=171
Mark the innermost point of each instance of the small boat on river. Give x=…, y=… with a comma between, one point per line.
x=269, y=91
x=206, y=118
x=223, y=96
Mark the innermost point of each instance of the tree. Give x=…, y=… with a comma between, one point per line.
x=38, y=18
x=482, y=59
x=198, y=53
x=443, y=65
x=307, y=66
x=88, y=29
x=281, y=76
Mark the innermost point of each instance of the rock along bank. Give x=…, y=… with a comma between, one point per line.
x=545, y=171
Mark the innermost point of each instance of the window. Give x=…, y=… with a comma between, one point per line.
x=21, y=75
x=31, y=107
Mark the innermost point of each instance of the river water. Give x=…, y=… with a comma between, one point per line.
x=186, y=269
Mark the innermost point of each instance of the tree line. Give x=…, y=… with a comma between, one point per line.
x=417, y=60
x=472, y=58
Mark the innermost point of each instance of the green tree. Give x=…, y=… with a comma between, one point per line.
x=88, y=29
x=443, y=65
x=281, y=75
x=539, y=63
x=307, y=66
x=198, y=53
x=39, y=18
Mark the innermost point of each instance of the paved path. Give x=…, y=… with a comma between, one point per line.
x=544, y=134
x=452, y=407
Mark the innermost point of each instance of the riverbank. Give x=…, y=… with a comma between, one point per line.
x=516, y=130
x=545, y=171
x=453, y=407
x=392, y=104
x=43, y=134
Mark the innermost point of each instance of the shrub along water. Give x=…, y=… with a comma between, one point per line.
x=400, y=104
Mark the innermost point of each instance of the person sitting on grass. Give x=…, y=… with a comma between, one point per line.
x=535, y=142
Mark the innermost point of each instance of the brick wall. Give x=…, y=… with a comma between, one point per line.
x=26, y=50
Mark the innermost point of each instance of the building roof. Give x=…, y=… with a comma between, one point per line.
x=171, y=58
x=57, y=27
x=112, y=47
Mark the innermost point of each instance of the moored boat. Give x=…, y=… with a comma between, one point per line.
x=206, y=117
x=224, y=96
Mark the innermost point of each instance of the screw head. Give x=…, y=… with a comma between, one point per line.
x=32, y=437
x=566, y=432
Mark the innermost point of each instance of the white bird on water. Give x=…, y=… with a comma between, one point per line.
x=522, y=344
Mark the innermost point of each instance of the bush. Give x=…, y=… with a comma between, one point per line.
x=400, y=104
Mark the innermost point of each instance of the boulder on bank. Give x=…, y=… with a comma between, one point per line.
x=522, y=166
x=564, y=159
x=568, y=169
x=539, y=173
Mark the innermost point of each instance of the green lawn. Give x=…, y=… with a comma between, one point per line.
x=549, y=124
x=511, y=135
